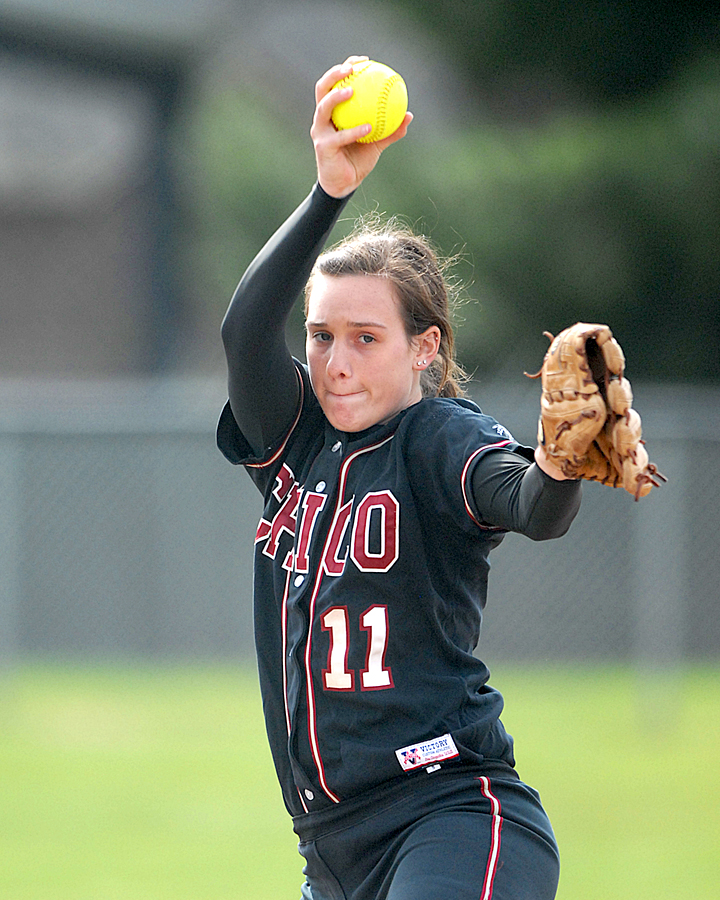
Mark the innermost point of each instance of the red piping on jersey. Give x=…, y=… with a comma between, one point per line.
x=496, y=829
x=464, y=480
x=312, y=722
x=281, y=448
x=284, y=668
x=284, y=651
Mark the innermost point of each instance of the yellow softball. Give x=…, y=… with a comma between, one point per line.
x=379, y=98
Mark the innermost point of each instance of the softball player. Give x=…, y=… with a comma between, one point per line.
x=384, y=490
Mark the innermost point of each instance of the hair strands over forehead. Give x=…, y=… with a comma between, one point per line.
x=427, y=294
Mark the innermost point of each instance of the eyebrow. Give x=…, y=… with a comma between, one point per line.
x=350, y=324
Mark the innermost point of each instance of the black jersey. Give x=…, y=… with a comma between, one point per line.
x=371, y=564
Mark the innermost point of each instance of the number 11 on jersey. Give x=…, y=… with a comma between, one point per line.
x=376, y=675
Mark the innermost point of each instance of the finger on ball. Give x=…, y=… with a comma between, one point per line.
x=349, y=136
x=327, y=82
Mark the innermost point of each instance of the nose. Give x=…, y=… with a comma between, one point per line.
x=338, y=364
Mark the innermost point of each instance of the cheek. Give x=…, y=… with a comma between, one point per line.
x=313, y=358
x=310, y=347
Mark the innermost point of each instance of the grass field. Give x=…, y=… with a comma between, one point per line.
x=152, y=784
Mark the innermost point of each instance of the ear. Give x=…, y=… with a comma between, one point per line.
x=427, y=346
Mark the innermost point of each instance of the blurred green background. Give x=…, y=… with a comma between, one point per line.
x=156, y=784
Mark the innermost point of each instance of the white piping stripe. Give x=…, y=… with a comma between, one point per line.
x=304, y=806
x=494, y=854
x=465, y=471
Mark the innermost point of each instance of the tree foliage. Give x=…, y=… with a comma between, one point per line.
x=600, y=201
x=599, y=52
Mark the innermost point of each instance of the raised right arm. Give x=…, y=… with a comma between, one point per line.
x=263, y=386
x=262, y=381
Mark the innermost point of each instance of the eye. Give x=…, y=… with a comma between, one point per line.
x=367, y=338
x=321, y=336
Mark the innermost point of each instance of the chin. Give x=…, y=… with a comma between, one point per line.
x=349, y=424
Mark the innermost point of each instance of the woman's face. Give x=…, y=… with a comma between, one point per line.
x=363, y=367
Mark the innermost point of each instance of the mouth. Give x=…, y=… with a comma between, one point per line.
x=336, y=396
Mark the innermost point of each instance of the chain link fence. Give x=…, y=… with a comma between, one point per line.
x=125, y=534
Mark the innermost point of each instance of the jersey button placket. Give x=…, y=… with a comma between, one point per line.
x=301, y=588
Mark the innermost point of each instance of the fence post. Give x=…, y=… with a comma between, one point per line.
x=9, y=548
x=660, y=570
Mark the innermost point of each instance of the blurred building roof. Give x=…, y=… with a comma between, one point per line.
x=167, y=26
x=88, y=91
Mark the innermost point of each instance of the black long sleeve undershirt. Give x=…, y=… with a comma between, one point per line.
x=513, y=493
x=510, y=492
x=262, y=381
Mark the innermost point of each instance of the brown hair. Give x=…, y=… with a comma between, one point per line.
x=426, y=296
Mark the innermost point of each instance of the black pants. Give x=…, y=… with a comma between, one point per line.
x=460, y=833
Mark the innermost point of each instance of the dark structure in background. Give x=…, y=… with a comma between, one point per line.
x=88, y=206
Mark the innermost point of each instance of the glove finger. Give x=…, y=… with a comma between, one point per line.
x=611, y=351
x=639, y=475
x=626, y=434
x=619, y=396
x=636, y=478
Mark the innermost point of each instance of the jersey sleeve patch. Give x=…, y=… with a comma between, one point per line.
x=502, y=432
